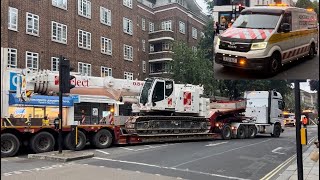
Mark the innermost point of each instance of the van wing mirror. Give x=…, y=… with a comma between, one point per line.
x=285, y=27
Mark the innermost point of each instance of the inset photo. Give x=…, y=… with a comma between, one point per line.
x=267, y=42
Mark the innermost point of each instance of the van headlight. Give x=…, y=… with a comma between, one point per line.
x=260, y=45
x=218, y=41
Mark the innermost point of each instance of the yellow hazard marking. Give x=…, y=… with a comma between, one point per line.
x=278, y=37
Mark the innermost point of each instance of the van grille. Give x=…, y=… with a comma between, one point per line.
x=238, y=47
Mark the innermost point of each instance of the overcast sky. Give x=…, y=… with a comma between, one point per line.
x=203, y=5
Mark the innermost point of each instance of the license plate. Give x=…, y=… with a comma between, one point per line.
x=230, y=59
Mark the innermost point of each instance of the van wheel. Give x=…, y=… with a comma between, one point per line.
x=274, y=65
x=312, y=52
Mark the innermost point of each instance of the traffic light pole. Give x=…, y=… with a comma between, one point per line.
x=60, y=105
x=298, y=127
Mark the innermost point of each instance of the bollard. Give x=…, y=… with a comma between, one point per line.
x=303, y=132
x=74, y=135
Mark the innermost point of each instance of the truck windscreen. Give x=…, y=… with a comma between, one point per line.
x=256, y=21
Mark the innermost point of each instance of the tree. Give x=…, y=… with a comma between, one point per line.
x=304, y=4
x=210, y=5
x=189, y=67
x=206, y=42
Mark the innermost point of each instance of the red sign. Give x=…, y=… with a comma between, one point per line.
x=77, y=83
x=170, y=101
x=187, y=98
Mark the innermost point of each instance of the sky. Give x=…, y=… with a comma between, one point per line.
x=203, y=5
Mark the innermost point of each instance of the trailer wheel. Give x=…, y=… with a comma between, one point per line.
x=102, y=139
x=252, y=131
x=42, y=142
x=241, y=133
x=10, y=145
x=276, y=131
x=82, y=140
x=226, y=132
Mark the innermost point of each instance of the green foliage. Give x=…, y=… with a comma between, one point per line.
x=304, y=4
x=235, y=88
x=210, y=5
x=191, y=67
x=206, y=42
x=314, y=85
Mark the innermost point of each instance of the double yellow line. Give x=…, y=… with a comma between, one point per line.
x=277, y=169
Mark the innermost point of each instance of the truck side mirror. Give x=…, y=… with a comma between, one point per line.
x=285, y=27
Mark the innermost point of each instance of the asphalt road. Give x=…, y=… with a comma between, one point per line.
x=301, y=69
x=218, y=159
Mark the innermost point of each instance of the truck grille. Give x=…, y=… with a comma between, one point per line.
x=237, y=46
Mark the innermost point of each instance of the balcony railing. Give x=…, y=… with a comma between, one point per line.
x=161, y=35
x=160, y=55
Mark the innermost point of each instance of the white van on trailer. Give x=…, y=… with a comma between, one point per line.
x=267, y=37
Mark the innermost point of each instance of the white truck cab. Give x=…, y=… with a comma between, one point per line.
x=266, y=37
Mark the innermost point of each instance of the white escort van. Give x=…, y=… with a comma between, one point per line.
x=265, y=38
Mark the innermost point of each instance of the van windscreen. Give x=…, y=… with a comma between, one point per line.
x=256, y=21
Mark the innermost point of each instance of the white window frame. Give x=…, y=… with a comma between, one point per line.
x=166, y=25
x=54, y=64
x=144, y=66
x=166, y=46
x=128, y=75
x=151, y=27
x=34, y=28
x=86, y=67
x=13, y=16
x=143, y=24
x=127, y=3
x=33, y=56
x=128, y=52
x=151, y=47
x=82, y=44
x=143, y=45
x=106, y=71
x=62, y=4
x=62, y=38
x=106, y=46
x=127, y=26
x=194, y=33
x=105, y=16
x=86, y=4
x=182, y=27
x=12, y=58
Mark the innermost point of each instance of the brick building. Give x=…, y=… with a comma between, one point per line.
x=121, y=38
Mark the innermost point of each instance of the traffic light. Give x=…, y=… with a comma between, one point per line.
x=241, y=8
x=64, y=75
x=314, y=85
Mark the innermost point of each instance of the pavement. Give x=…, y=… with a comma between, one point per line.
x=65, y=156
x=310, y=168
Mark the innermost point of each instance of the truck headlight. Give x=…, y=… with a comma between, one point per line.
x=218, y=41
x=260, y=45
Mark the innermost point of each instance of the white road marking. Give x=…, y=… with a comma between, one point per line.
x=276, y=149
x=216, y=144
x=205, y=157
x=102, y=151
x=161, y=167
x=157, y=174
x=311, y=140
x=148, y=147
x=127, y=148
x=4, y=159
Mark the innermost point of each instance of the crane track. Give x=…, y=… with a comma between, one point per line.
x=148, y=125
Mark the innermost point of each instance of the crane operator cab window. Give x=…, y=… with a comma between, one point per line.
x=169, y=88
x=158, y=92
x=286, y=23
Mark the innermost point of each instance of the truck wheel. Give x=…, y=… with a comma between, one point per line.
x=226, y=132
x=241, y=134
x=276, y=131
x=10, y=145
x=252, y=131
x=274, y=65
x=102, y=139
x=312, y=51
x=42, y=142
x=82, y=140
